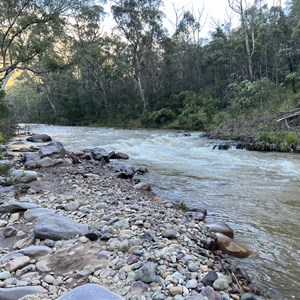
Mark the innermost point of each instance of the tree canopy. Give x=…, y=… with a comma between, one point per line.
x=139, y=74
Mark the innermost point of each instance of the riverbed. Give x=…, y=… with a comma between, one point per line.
x=257, y=194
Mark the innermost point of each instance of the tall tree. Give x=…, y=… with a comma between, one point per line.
x=140, y=21
x=28, y=28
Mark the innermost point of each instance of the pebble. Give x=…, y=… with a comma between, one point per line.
x=9, y=231
x=17, y=263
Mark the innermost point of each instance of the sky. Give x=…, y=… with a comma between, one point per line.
x=213, y=10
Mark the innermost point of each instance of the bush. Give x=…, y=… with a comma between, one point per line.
x=157, y=118
x=193, y=120
x=291, y=138
x=249, y=95
x=6, y=129
x=4, y=169
x=269, y=138
x=2, y=139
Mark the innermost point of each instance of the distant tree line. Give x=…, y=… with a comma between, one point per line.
x=72, y=73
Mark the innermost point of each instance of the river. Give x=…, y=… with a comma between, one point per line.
x=257, y=194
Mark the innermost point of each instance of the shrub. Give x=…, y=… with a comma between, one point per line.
x=2, y=139
x=269, y=138
x=291, y=138
x=157, y=118
x=4, y=169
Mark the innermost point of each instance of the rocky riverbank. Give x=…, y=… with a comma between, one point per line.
x=257, y=134
x=72, y=220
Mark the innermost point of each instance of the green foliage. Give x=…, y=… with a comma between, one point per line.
x=269, y=138
x=291, y=138
x=182, y=82
x=2, y=138
x=157, y=118
x=4, y=169
x=183, y=206
x=249, y=95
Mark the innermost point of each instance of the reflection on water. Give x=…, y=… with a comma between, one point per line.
x=256, y=193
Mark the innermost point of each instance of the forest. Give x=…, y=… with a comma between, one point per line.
x=59, y=66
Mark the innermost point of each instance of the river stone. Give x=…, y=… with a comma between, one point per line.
x=57, y=227
x=23, y=176
x=100, y=154
x=146, y=273
x=31, y=164
x=19, y=292
x=34, y=251
x=192, y=284
x=72, y=206
x=170, y=234
x=210, y=294
x=142, y=186
x=138, y=287
x=221, y=227
x=210, y=277
x=31, y=157
x=125, y=171
x=176, y=290
x=46, y=162
x=250, y=296
x=38, y=138
x=32, y=214
x=53, y=150
x=90, y=292
x=13, y=207
x=9, y=231
x=3, y=223
x=221, y=283
x=119, y=155
x=5, y=275
x=229, y=246
x=17, y=263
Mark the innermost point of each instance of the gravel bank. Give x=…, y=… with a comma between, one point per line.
x=76, y=224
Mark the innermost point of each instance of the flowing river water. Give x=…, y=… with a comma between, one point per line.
x=257, y=194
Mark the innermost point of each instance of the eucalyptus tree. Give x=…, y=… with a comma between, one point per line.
x=140, y=22
x=28, y=28
x=248, y=14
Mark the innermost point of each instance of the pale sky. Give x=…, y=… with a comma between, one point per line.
x=213, y=10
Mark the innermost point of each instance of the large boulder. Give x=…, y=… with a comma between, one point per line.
x=19, y=292
x=229, y=246
x=12, y=207
x=125, y=172
x=90, y=292
x=56, y=227
x=39, y=138
x=100, y=154
x=52, y=150
x=32, y=214
x=23, y=176
x=221, y=227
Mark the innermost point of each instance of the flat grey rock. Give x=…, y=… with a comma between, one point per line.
x=34, y=251
x=53, y=150
x=23, y=176
x=56, y=227
x=37, y=138
x=32, y=214
x=90, y=292
x=19, y=292
x=13, y=207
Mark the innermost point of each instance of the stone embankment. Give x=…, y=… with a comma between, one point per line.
x=73, y=227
